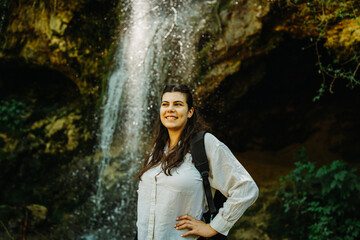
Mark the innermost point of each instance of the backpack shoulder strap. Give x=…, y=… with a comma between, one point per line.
x=201, y=163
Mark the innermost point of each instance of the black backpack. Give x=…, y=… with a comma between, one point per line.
x=201, y=163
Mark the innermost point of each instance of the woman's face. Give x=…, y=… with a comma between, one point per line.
x=174, y=111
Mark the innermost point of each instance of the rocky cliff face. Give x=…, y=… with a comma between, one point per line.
x=76, y=38
x=54, y=58
x=73, y=38
x=249, y=30
x=258, y=71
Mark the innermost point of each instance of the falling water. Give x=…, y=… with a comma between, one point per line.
x=127, y=90
x=157, y=45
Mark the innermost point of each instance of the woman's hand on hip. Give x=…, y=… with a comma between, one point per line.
x=196, y=227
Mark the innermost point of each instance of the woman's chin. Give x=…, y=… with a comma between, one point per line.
x=173, y=128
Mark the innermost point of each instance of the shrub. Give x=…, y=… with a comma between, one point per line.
x=11, y=114
x=320, y=203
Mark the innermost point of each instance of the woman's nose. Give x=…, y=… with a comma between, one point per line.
x=171, y=108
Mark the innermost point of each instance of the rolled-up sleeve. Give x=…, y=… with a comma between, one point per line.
x=229, y=177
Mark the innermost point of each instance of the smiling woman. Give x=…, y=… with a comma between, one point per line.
x=171, y=198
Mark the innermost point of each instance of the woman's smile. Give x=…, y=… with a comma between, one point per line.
x=171, y=117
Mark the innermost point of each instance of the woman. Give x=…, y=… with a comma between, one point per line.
x=171, y=198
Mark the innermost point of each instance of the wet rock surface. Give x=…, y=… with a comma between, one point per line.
x=73, y=38
x=280, y=110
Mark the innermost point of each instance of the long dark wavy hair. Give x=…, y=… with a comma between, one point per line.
x=176, y=155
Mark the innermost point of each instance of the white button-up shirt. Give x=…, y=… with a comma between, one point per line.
x=162, y=199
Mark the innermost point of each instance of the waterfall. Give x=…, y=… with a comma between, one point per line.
x=157, y=46
x=127, y=90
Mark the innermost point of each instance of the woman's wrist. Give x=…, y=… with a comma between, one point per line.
x=212, y=231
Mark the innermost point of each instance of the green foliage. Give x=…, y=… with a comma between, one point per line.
x=320, y=203
x=11, y=114
x=320, y=93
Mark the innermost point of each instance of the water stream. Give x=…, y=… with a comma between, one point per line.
x=157, y=45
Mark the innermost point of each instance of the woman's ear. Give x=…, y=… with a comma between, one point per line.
x=190, y=112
